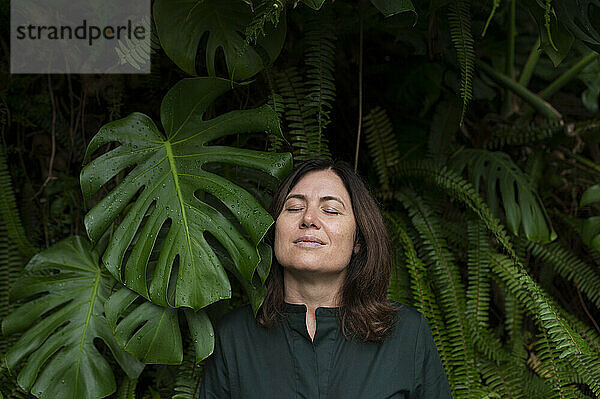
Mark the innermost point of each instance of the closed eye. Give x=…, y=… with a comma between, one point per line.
x=330, y=212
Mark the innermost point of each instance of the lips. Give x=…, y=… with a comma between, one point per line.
x=308, y=240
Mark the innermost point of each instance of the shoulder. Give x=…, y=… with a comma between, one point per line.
x=238, y=320
x=408, y=321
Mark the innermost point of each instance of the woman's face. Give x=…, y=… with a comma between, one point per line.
x=315, y=230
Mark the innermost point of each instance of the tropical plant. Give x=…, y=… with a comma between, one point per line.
x=482, y=143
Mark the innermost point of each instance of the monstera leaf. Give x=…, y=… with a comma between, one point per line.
x=151, y=332
x=164, y=184
x=558, y=43
x=591, y=226
x=182, y=24
x=393, y=7
x=61, y=321
x=582, y=18
x=522, y=205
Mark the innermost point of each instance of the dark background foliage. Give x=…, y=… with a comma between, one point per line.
x=428, y=93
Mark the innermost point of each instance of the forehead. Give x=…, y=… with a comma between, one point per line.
x=321, y=183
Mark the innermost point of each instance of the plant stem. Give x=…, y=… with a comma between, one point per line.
x=526, y=95
x=530, y=64
x=510, y=55
x=360, y=94
x=567, y=76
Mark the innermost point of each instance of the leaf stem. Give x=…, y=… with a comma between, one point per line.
x=360, y=91
x=541, y=106
x=510, y=55
x=567, y=76
x=532, y=59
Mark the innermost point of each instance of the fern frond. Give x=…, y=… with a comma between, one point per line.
x=569, y=267
x=570, y=345
x=189, y=377
x=459, y=19
x=300, y=125
x=382, y=145
x=478, y=291
x=9, y=213
x=11, y=267
x=459, y=189
x=545, y=362
x=514, y=134
x=276, y=141
x=423, y=297
x=138, y=54
x=505, y=378
x=451, y=293
x=319, y=58
x=399, y=289
x=127, y=388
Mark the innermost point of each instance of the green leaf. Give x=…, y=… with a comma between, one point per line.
x=591, y=195
x=314, y=4
x=559, y=43
x=393, y=7
x=166, y=184
x=61, y=322
x=182, y=24
x=151, y=332
x=522, y=205
x=582, y=20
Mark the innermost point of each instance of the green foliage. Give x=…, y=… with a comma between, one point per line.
x=591, y=226
x=522, y=205
x=393, y=7
x=9, y=213
x=60, y=321
x=319, y=56
x=517, y=134
x=382, y=145
x=189, y=377
x=167, y=175
x=182, y=25
x=151, y=332
x=459, y=19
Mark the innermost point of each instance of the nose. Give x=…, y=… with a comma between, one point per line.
x=310, y=219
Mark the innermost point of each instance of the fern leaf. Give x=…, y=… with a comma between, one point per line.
x=478, y=292
x=8, y=210
x=459, y=189
x=382, y=146
x=127, y=388
x=451, y=293
x=569, y=267
x=569, y=344
x=189, y=377
x=319, y=58
x=459, y=19
x=515, y=134
x=521, y=203
x=11, y=266
x=423, y=297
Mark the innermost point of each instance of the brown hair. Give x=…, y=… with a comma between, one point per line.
x=365, y=310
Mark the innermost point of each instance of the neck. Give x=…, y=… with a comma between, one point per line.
x=312, y=290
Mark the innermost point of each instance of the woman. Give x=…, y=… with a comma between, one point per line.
x=326, y=328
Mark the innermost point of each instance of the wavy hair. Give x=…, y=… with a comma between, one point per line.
x=365, y=310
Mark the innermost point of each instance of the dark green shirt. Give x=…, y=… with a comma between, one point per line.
x=283, y=362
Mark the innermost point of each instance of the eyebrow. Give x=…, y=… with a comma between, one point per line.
x=322, y=199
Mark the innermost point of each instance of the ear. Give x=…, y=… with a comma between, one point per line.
x=356, y=248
